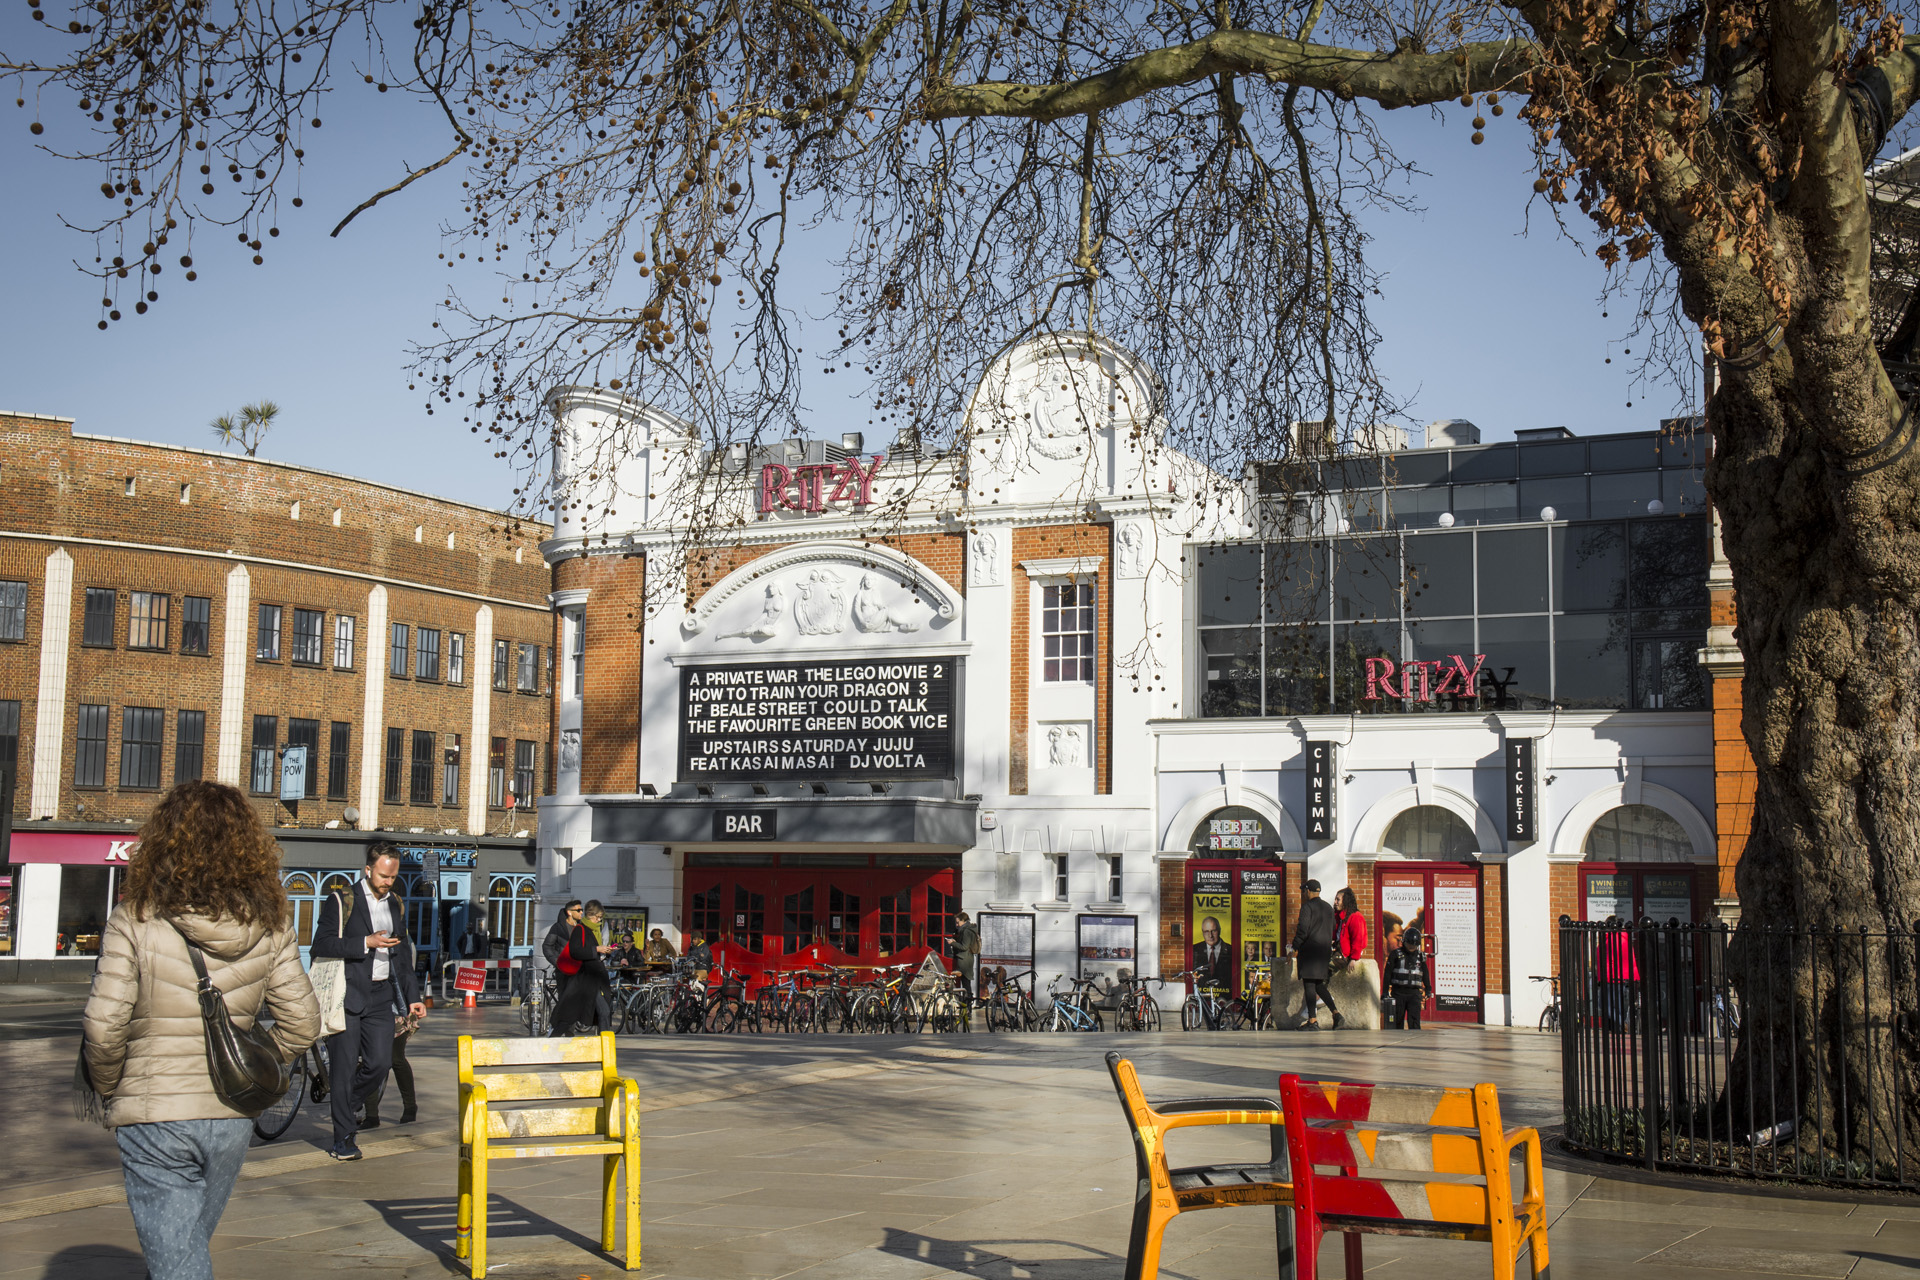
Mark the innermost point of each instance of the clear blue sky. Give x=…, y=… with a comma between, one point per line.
x=1480, y=321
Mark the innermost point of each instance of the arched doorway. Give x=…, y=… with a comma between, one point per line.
x=1235, y=893
x=1434, y=885
x=1637, y=863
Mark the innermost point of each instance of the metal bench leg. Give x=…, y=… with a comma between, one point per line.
x=1143, y=1242
x=463, y=1221
x=1356, y=1269
x=478, y=1181
x=609, y=1196
x=1283, y=1243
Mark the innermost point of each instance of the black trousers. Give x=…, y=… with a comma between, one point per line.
x=359, y=1058
x=1406, y=1007
x=1317, y=990
x=402, y=1077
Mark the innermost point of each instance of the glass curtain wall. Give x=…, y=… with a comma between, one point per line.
x=1588, y=615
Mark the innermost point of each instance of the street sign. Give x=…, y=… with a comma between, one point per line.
x=293, y=773
x=470, y=977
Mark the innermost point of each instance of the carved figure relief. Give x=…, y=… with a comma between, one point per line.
x=870, y=612
x=569, y=751
x=821, y=609
x=1133, y=549
x=1065, y=750
x=985, y=569
x=767, y=625
x=1062, y=415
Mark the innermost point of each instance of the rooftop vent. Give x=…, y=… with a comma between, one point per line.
x=1533, y=435
x=1451, y=432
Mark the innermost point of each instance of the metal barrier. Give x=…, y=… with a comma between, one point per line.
x=1776, y=1053
x=503, y=979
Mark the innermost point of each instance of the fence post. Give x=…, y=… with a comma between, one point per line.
x=1650, y=1073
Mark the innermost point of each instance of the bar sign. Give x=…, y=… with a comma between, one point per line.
x=1321, y=796
x=1523, y=817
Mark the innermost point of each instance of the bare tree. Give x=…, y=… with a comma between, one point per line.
x=1185, y=180
x=254, y=422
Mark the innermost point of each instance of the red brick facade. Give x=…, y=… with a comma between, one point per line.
x=1045, y=543
x=178, y=523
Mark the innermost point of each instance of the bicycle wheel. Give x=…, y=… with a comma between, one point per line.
x=273, y=1122
x=1190, y=1019
x=1233, y=1015
x=1550, y=1019
x=723, y=1016
x=1146, y=1014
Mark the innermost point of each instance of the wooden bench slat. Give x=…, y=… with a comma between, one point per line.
x=545, y=1122
x=1386, y=1103
x=527, y=1052
x=1425, y=1150
x=514, y=1086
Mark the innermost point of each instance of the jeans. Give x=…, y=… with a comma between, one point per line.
x=179, y=1174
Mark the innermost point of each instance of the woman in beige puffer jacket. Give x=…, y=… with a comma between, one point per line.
x=207, y=864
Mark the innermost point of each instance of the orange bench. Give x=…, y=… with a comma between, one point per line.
x=1409, y=1161
x=1162, y=1193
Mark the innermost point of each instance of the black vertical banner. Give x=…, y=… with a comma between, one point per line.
x=1523, y=819
x=1321, y=796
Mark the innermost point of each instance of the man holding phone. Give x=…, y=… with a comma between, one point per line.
x=380, y=984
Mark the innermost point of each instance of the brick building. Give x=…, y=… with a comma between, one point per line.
x=171, y=613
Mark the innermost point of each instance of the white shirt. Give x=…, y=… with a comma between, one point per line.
x=380, y=912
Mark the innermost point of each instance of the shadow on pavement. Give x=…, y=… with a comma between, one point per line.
x=95, y=1262
x=431, y=1224
x=1001, y=1259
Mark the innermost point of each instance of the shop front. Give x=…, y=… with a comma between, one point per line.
x=64, y=885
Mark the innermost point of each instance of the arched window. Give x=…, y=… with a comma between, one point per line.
x=1428, y=831
x=300, y=896
x=1637, y=833
x=338, y=882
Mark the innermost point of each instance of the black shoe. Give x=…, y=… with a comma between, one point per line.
x=406, y=1116
x=344, y=1150
x=369, y=1121
x=1338, y=1022
x=1311, y=1024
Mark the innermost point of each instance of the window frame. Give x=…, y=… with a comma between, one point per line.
x=339, y=758
x=450, y=773
x=420, y=776
x=188, y=623
x=423, y=669
x=319, y=638
x=393, y=779
x=149, y=622
x=526, y=668
x=576, y=653
x=296, y=737
x=399, y=649
x=9, y=741
x=262, y=651
x=1060, y=872
x=530, y=771
x=10, y=613
x=345, y=637
x=503, y=665
x=264, y=757
x=1054, y=666
x=140, y=756
x=496, y=773
x=185, y=745
x=97, y=625
x=90, y=749
x=456, y=657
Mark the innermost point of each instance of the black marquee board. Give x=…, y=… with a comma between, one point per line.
x=820, y=719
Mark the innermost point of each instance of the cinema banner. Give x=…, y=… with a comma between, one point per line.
x=819, y=720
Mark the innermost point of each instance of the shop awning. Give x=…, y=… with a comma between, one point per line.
x=928, y=821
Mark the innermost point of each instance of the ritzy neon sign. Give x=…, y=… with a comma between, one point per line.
x=804, y=488
x=1425, y=680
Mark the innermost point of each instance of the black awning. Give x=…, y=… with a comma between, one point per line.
x=836, y=820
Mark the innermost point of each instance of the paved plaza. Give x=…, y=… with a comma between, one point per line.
x=875, y=1158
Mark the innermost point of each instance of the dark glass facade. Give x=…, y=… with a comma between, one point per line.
x=1508, y=614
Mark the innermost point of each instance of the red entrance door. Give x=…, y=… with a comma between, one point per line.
x=850, y=909
x=1443, y=898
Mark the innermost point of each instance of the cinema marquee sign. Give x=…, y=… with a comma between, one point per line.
x=1425, y=680
x=813, y=486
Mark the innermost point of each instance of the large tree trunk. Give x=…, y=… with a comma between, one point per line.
x=1826, y=567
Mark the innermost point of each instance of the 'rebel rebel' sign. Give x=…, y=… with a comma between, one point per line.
x=822, y=719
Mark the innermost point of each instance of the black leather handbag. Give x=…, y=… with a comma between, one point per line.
x=248, y=1074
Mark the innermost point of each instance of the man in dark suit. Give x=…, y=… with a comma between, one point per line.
x=1313, y=953
x=380, y=980
x=1212, y=971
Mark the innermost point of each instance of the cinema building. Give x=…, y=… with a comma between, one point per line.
x=1091, y=693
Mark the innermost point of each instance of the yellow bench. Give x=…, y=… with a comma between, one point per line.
x=600, y=1116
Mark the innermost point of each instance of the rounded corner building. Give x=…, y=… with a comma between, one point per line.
x=811, y=697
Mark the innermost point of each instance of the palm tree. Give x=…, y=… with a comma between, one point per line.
x=255, y=421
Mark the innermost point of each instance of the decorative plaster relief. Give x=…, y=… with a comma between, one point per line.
x=1066, y=744
x=983, y=565
x=569, y=751
x=1132, y=540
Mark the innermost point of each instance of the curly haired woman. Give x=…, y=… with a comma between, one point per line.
x=205, y=871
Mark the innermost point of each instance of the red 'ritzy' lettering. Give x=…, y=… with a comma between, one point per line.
x=1380, y=676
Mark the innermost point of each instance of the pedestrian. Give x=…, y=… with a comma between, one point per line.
x=205, y=873
x=1407, y=979
x=699, y=958
x=660, y=953
x=1352, y=930
x=583, y=989
x=966, y=950
x=1619, y=974
x=404, y=1025
x=369, y=934
x=1313, y=935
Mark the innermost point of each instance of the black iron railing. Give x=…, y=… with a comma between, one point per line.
x=1776, y=1053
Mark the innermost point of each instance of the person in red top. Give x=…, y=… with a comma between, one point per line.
x=1351, y=941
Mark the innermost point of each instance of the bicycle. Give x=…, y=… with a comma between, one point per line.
x=1213, y=1008
x=726, y=1010
x=1134, y=1006
x=1550, y=1016
x=1074, y=1011
x=309, y=1079
x=536, y=1008
x=1009, y=1005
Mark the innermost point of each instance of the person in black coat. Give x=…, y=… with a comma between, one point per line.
x=582, y=989
x=1313, y=936
x=373, y=942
